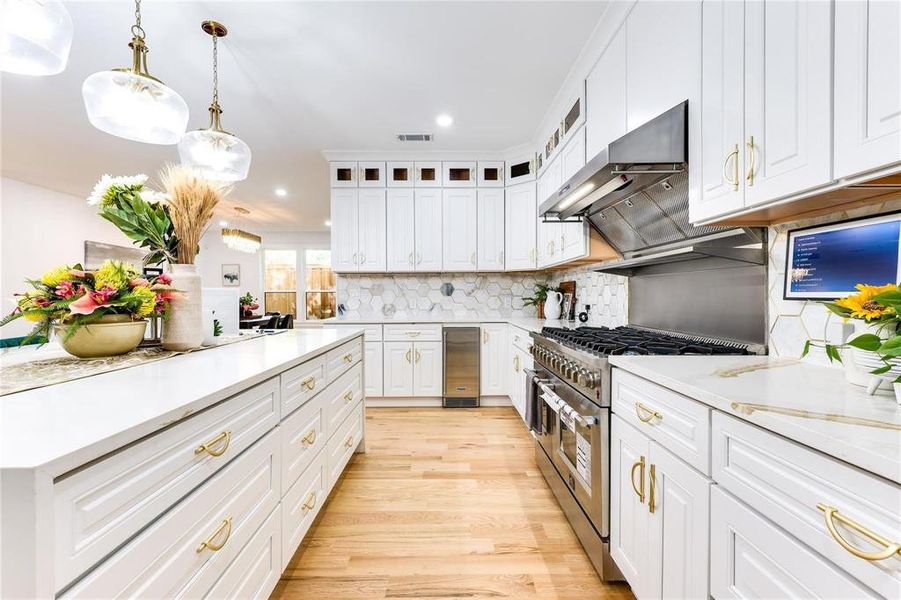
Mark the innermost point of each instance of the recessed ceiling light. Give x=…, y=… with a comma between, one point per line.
x=223, y=223
x=444, y=120
x=328, y=223
x=281, y=192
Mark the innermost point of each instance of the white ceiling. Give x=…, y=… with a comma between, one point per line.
x=297, y=78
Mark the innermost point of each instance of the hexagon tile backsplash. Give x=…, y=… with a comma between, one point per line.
x=475, y=295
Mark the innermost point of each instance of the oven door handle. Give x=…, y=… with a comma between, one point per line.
x=585, y=421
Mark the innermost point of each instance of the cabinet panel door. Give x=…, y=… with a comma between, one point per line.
x=491, y=174
x=550, y=233
x=520, y=226
x=427, y=174
x=520, y=169
x=428, y=369
x=373, y=369
x=573, y=236
x=400, y=227
x=606, y=96
x=344, y=236
x=788, y=108
x=867, y=86
x=490, y=242
x=752, y=558
x=371, y=174
x=722, y=111
x=494, y=354
x=398, y=371
x=458, y=223
x=427, y=216
x=629, y=502
x=678, y=528
x=459, y=174
x=399, y=174
x=342, y=174
x=371, y=226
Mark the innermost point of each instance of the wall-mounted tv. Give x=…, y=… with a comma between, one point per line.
x=826, y=261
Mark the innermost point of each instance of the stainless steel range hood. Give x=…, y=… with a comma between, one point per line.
x=635, y=194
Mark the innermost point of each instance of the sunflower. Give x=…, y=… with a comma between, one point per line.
x=863, y=306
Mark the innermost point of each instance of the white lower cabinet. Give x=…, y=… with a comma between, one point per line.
x=629, y=514
x=519, y=359
x=256, y=570
x=493, y=380
x=413, y=369
x=752, y=558
x=373, y=369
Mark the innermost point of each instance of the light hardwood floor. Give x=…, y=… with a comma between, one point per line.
x=444, y=504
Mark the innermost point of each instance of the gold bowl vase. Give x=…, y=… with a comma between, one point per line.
x=110, y=336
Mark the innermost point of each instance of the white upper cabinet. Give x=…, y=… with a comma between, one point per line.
x=550, y=233
x=459, y=216
x=722, y=111
x=459, y=174
x=867, y=86
x=490, y=219
x=428, y=230
x=344, y=234
x=342, y=174
x=573, y=236
x=490, y=174
x=399, y=174
x=401, y=254
x=371, y=174
x=606, y=96
x=788, y=112
x=371, y=229
x=520, y=169
x=427, y=174
x=519, y=219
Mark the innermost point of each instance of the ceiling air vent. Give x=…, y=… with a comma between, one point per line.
x=414, y=137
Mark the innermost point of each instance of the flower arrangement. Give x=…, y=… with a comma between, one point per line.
x=248, y=304
x=71, y=297
x=879, y=306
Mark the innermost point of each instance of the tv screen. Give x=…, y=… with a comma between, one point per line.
x=826, y=262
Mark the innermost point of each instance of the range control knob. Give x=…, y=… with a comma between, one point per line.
x=591, y=380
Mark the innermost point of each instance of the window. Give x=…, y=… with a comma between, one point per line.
x=320, y=284
x=280, y=281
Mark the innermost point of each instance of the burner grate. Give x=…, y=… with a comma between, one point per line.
x=603, y=341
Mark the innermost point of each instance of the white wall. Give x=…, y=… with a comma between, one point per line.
x=41, y=229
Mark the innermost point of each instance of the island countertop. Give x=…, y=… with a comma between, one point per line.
x=59, y=427
x=810, y=404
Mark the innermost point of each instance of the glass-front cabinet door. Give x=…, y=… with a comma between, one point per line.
x=342, y=174
x=460, y=174
x=427, y=174
x=520, y=169
x=490, y=174
x=371, y=174
x=399, y=174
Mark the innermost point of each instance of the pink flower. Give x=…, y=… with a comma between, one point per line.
x=103, y=295
x=164, y=279
x=65, y=289
x=138, y=281
x=42, y=302
x=84, y=305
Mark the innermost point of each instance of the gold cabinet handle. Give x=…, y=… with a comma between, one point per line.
x=831, y=514
x=225, y=525
x=310, y=438
x=751, y=160
x=309, y=382
x=413, y=333
x=225, y=436
x=410, y=259
x=472, y=258
x=516, y=363
x=484, y=337
x=349, y=396
x=652, y=487
x=645, y=414
x=733, y=154
x=409, y=356
x=639, y=464
x=350, y=441
x=348, y=357
x=418, y=355
x=310, y=503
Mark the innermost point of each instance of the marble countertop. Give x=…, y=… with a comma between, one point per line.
x=59, y=427
x=528, y=323
x=810, y=404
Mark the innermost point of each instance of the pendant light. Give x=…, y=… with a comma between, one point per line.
x=133, y=104
x=214, y=152
x=238, y=239
x=35, y=37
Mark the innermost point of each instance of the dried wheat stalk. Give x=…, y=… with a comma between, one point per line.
x=191, y=200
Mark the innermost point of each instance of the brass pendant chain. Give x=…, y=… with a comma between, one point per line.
x=215, y=69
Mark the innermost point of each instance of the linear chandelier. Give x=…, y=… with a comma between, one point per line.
x=238, y=239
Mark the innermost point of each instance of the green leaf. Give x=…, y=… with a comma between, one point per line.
x=806, y=349
x=866, y=341
x=881, y=370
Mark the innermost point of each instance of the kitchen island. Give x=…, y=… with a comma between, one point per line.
x=195, y=475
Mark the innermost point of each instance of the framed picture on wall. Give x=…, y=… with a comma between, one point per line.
x=231, y=275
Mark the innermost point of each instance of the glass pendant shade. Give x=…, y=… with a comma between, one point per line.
x=215, y=154
x=134, y=107
x=240, y=240
x=35, y=37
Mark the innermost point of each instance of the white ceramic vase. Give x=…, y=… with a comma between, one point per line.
x=552, y=306
x=858, y=369
x=183, y=330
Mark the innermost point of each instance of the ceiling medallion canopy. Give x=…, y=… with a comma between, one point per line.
x=238, y=239
x=133, y=104
x=35, y=37
x=214, y=152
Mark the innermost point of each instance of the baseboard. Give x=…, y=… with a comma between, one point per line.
x=372, y=402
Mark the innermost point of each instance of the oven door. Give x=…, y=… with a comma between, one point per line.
x=581, y=454
x=547, y=404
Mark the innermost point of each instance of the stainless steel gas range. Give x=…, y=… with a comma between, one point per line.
x=572, y=418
